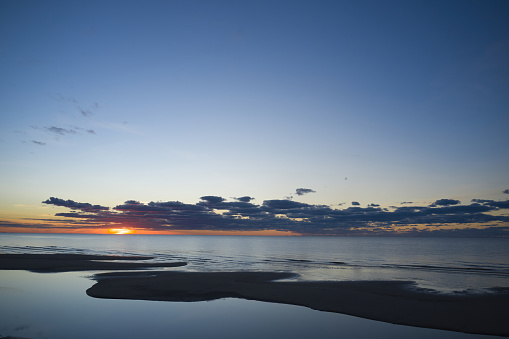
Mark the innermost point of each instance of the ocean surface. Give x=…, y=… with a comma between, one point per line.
x=54, y=305
x=444, y=264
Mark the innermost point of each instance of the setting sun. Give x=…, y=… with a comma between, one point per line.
x=120, y=231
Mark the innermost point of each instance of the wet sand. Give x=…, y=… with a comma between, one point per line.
x=76, y=262
x=395, y=302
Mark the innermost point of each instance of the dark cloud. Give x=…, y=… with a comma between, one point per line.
x=283, y=204
x=445, y=202
x=40, y=143
x=75, y=205
x=177, y=206
x=506, y=191
x=244, y=199
x=355, y=203
x=499, y=204
x=212, y=199
x=287, y=215
x=302, y=191
x=493, y=203
x=482, y=201
x=136, y=208
x=90, y=131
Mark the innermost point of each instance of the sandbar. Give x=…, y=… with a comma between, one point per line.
x=397, y=302
x=77, y=262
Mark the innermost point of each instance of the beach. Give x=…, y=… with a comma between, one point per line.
x=76, y=262
x=390, y=301
x=397, y=302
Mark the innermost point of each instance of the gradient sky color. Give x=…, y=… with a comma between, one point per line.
x=373, y=102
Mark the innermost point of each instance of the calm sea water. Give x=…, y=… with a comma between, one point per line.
x=445, y=264
x=35, y=305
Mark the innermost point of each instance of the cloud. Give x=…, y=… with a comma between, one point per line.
x=355, y=203
x=506, y=191
x=60, y=97
x=214, y=213
x=60, y=130
x=244, y=199
x=85, y=112
x=445, y=202
x=75, y=205
x=211, y=199
x=493, y=203
x=302, y=191
x=82, y=109
x=482, y=201
x=80, y=129
x=283, y=204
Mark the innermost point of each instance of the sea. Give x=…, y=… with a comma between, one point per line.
x=54, y=305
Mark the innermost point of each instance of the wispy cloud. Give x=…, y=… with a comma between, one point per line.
x=82, y=109
x=57, y=131
x=85, y=112
x=443, y=217
x=60, y=130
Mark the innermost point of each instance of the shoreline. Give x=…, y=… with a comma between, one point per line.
x=395, y=302
x=389, y=301
x=47, y=263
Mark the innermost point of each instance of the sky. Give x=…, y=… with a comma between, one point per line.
x=255, y=117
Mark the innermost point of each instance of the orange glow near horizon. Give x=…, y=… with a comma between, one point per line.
x=141, y=231
x=120, y=231
x=201, y=232
x=256, y=233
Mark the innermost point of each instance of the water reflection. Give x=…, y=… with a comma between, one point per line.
x=442, y=264
x=35, y=305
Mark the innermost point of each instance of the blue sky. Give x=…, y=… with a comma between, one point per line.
x=377, y=102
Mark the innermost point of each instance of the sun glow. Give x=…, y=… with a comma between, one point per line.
x=120, y=231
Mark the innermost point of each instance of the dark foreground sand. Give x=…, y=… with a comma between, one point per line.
x=75, y=262
x=389, y=301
